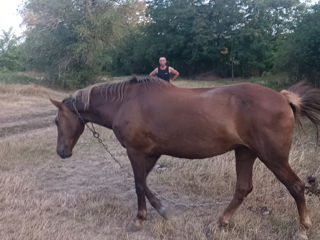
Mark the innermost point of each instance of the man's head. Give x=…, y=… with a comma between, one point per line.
x=163, y=61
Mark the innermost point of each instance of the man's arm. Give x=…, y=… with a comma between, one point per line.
x=154, y=72
x=174, y=72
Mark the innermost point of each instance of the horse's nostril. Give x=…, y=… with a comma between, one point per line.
x=67, y=155
x=63, y=153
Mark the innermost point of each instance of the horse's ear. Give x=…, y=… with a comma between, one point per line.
x=56, y=103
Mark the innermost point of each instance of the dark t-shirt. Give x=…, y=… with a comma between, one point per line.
x=164, y=74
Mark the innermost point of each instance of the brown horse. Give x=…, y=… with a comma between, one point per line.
x=151, y=117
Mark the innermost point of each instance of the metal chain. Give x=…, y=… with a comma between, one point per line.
x=95, y=134
x=105, y=146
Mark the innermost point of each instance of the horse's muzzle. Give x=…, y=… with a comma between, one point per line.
x=64, y=153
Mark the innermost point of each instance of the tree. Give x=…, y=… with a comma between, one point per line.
x=304, y=50
x=68, y=39
x=193, y=33
x=74, y=41
x=10, y=51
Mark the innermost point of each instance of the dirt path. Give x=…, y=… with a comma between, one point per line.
x=20, y=124
x=25, y=108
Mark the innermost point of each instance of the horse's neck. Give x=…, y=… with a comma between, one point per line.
x=101, y=111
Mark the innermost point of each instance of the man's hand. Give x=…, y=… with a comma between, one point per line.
x=154, y=72
x=175, y=72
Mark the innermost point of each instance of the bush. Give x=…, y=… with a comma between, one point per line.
x=15, y=77
x=277, y=81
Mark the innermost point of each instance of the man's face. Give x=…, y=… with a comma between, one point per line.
x=162, y=61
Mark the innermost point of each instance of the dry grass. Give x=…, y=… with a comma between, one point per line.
x=89, y=197
x=17, y=100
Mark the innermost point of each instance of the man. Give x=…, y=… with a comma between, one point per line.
x=164, y=71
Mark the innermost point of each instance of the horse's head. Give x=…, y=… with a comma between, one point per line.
x=69, y=126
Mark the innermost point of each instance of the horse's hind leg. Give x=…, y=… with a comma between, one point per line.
x=282, y=170
x=244, y=163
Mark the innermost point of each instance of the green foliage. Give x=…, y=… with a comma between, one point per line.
x=276, y=81
x=304, y=55
x=15, y=77
x=74, y=41
x=10, y=52
x=68, y=39
x=192, y=34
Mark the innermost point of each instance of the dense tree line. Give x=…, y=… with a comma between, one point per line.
x=10, y=52
x=302, y=55
x=75, y=41
x=70, y=40
x=218, y=35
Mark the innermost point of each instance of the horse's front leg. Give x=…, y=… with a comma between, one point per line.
x=139, y=170
x=154, y=201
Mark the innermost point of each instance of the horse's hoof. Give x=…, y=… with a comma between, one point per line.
x=162, y=211
x=301, y=235
x=222, y=223
x=307, y=224
x=134, y=226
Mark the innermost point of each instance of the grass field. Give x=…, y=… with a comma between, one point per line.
x=89, y=197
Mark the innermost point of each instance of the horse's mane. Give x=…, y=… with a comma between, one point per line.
x=110, y=91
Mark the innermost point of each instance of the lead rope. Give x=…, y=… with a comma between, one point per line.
x=96, y=135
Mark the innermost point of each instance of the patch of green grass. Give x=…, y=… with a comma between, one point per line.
x=276, y=81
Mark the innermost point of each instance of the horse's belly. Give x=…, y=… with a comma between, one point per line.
x=198, y=151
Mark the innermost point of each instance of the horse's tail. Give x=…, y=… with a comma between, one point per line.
x=304, y=101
